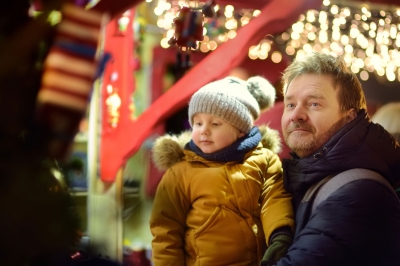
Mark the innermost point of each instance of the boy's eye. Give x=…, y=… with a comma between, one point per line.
x=215, y=124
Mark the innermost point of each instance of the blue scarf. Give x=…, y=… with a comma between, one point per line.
x=234, y=152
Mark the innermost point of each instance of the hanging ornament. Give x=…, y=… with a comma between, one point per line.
x=188, y=28
x=208, y=9
x=183, y=61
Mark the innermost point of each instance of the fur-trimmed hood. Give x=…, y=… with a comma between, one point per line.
x=168, y=149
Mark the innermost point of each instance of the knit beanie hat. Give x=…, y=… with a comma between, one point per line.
x=236, y=101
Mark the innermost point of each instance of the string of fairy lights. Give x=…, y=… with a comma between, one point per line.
x=369, y=39
x=216, y=30
x=368, y=36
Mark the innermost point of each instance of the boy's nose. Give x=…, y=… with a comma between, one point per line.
x=204, y=130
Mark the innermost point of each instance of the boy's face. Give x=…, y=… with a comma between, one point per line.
x=211, y=133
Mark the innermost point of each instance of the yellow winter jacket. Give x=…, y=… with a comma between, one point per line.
x=212, y=213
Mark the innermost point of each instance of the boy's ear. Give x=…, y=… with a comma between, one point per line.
x=241, y=134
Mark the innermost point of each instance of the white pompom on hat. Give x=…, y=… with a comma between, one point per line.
x=236, y=101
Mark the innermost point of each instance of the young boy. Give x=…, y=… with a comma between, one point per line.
x=221, y=200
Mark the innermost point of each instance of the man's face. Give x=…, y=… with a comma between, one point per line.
x=312, y=113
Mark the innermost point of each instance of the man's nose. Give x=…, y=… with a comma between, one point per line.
x=298, y=114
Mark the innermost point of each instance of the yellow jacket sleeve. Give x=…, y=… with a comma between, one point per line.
x=167, y=222
x=276, y=209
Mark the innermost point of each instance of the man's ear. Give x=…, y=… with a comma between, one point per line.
x=351, y=114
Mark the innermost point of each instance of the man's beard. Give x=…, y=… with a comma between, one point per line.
x=307, y=146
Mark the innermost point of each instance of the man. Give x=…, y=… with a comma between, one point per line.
x=326, y=125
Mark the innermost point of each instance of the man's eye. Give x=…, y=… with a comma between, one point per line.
x=314, y=104
x=289, y=105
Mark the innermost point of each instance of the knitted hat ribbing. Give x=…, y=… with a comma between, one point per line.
x=236, y=101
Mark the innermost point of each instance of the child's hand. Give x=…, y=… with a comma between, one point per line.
x=278, y=249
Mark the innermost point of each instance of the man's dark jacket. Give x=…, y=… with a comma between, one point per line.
x=359, y=224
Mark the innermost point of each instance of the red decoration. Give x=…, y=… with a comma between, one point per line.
x=188, y=28
x=118, y=87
